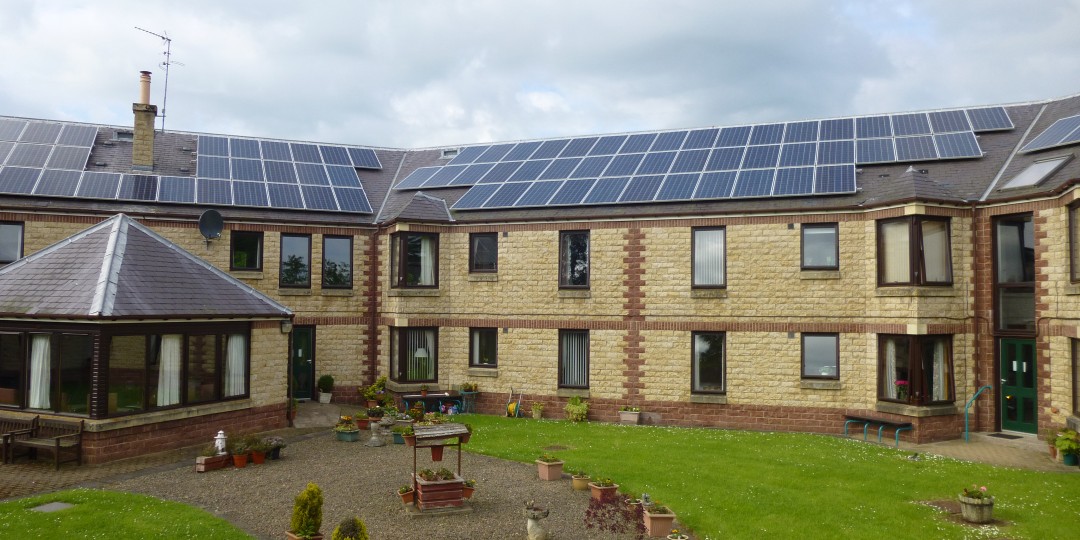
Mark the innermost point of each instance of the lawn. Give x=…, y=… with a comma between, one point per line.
x=737, y=484
x=111, y=515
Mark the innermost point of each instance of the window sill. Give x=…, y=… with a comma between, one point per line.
x=819, y=274
x=484, y=277
x=338, y=292
x=918, y=411
x=246, y=274
x=483, y=372
x=1072, y=289
x=411, y=388
x=708, y=293
x=574, y=293
x=920, y=291
x=412, y=292
x=154, y=417
x=294, y=292
x=714, y=399
x=820, y=385
x=573, y=392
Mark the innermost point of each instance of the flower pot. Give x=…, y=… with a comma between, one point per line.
x=275, y=453
x=423, y=393
x=977, y=510
x=466, y=492
x=1070, y=460
x=292, y=536
x=465, y=438
x=580, y=483
x=257, y=457
x=398, y=439
x=324, y=397
x=436, y=452
x=371, y=403
x=410, y=440
x=658, y=525
x=240, y=460
x=211, y=463
x=538, y=415
x=602, y=493
x=549, y=471
x=363, y=424
x=348, y=436
x=678, y=537
x=407, y=497
x=629, y=417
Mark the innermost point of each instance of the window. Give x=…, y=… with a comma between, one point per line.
x=484, y=347
x=821, y=356
x=295, y=260
x=574, y=259
x=11, y=242
x=414, y=355
x=820, y=248
x=573, y=358
x=414, y=260
x=1035, y=173
x=11, y=369
x=708, y=253
x=484, y=252
x=1014, y=263
x=915, y=369
x=1075, y=376
x=246, y=250
x=60, y=372
x=708, y=363
x=1074, y=242
x=337, y=262
x=914, y=251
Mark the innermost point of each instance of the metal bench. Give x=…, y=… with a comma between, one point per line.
x=9, y=424
x=884, y=423
x=58, y=436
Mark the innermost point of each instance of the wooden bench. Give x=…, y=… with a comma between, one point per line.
x=9, y=424
x=58, y=436
x=884, y=423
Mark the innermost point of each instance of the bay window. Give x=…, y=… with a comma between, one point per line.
x=414, y=260
x=709, y=257
x=914, y=251
x=915, y=369
x=573, y=358
x=707, y=371
x=574, y=259
x=414, y=355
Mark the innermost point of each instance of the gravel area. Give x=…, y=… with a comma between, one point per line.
x=363, y=481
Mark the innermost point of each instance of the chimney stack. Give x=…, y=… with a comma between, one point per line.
x=142, y=150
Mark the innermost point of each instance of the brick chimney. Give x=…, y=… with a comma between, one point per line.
x=142, y=151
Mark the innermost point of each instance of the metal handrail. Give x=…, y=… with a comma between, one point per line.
x=967, y=409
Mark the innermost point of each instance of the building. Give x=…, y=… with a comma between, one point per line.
x=771, y=276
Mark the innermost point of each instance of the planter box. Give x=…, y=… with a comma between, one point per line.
x=348, y=436
x=658, y=525
x=629, y=417
x=580, y=483
x=977, y=510
x=324, y=397
x=549, y=471
x=602, y=493
x=212, y=463
x=440, y=493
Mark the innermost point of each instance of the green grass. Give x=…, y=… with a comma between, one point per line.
x=736, y=484
x=111, y=515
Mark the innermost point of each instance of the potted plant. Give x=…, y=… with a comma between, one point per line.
x=1051, y=438
x=468, y=489
x=469, y=387
x=537, y=410
x=326, y=387
x=406, y=493
x=1068, y=444
x=438, y=489
x=375, y=393
x=346, y=430
x=603, y=489
x=210, y=460
x=397, y=433
x=307, y=514
x=577, y=409
x=423, y=390
x=276, y=444
x=258, y=448
x=901, y=390
x=239, y=452
x=579, y=480
x=976, y=505
x=629, y=415
x=350, y=529
x=465, y=438
x=549, y=467
x=361, y=419
x=677, y=535
x=658, y=519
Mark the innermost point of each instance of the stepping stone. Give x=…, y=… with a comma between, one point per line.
x=52, y=507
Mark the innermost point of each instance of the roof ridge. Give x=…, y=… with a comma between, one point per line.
x=105, y=292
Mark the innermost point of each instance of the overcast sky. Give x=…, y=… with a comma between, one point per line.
x=428, y=73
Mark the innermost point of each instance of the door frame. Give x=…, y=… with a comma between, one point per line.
x=292, y=361
x=1001, y=406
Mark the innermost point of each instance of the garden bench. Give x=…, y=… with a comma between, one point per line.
x=58, y=436
x=9, y=424
x=884, y=423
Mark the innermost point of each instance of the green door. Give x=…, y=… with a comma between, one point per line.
x=303, y=362
x=1018, y=400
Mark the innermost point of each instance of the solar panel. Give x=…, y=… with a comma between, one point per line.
x=572, y=191
x=417, y=178
x=538, y=194
x=280, y=171
x=213, y=146
x=61, y=183
x=701, y=138
x=766, y=134
x=177, y=189
x=641, y=189
x=284, y=196
x=870, y=127
x=444, y=176
x=319, y=198
x=530, y=170
x=1060, y=131
x=343, y=176
x=11, y=129
x=835, y=179
x=915, y=148
x=725, y=159
x=591, y=167
x=606, y=190
x=837, y=129
x=139, y=187
x=836, y=152
x=801, y=132
x=352, y=200
x=656, y=163
x=639, y=142
x=507, y=195
x=69, y=157
x=733, y=136
x=309, y=173
x=957, y=145
x=794, y=181
x=97, y=185
x=472, y=174
x=250, y=194
x=715, y=185
x=522, y=151
x=624, y=164
x=754, y=183
x=949, y=121
x=793, y=155
x=247, y=169
x=989, y=119
x=5, y=149
x=501, y=172
x=578, y=147
x=668, y=141
x=468, y=155
x=560, y=168
x=306, y=153
x=29, y=155
x=365, y=158
x=607, y=145
x=494, y=153
x=276, y=150
x=874, y=151
x=550, y=149
x=41, y=133
x=244, y=148
x=910, y=124
x=212, y=167
x=690, y=161
x=211, y=191
x=18, y=179
x=761, y=156
x=476, y=196
x=678, y=187
x=335, y=155
x=74, y=135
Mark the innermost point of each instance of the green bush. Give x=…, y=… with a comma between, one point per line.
x=577, y=410
x=325, y=384
x=350, y=529
x=307, y=512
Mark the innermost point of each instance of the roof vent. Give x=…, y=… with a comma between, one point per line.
x=448, y=153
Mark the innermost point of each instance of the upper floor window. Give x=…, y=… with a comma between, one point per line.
x=915, y=369
x=246, y=250
x=709, y=256
x=484, y=347
x=414, y=355
x=914, y=251
x=707, y=371
x=11, y=242
x=483, y=252
x=414, y=259
x=337, y=262
x=821, y=356
x=574, y=259
x=573, y=358
x=1075, y=376
x=1074, y=242
x=295, y=260
x=820, y=246
x=1014, y=264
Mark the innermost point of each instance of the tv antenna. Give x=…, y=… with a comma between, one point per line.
x=167, y=41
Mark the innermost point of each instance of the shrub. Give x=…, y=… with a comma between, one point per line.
x=350, y=529
x=307, y=512
x=612, y=516
x=326, y=383
x=577, y=410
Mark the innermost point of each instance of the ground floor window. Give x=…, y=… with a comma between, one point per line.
x=708, y=363
x=1076, y=376
x=821, y=356
x=11, y=369
x=414, y=355
x=59, y=372
x=573, y=358
x=484, y=347
x=915, y=369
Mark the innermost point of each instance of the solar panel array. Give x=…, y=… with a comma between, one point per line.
x=783, y=159
x=1063, y=132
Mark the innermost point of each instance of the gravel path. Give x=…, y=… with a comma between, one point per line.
x=363, y=481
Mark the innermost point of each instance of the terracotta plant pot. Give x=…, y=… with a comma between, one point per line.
x=977, y=510
x=466, y=492
x=549, y=471
x=436, y=453
x=601, y=493
x=580, y=483
x=410, y=440
x=371, y=403
x=423, y=393
x=240, y=460
x=258, y=458
x=658, y=525
x=407, y=497
x=362, y=424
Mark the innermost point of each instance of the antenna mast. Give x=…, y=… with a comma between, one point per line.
x=167, y=41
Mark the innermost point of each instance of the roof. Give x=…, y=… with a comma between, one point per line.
x=119, y=269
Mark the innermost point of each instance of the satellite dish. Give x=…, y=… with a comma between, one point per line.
x=211, y=224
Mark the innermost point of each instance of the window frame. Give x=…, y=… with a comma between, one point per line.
x=474, y=337
x=21, y=370
x=563, y=332
x=915, y=346
x=694, y=383
x=916, y=249
x=349, y=239
x=693, y=258
x=473, y=237
x=398, y=365
x=1074, y=241
x=836, y=246
x=281, y=252
x=399, y=259
x=1075, y=347
x=836, y=359
x=999, y=286
x=232, y=251
x=22, y=240
x=564, y=238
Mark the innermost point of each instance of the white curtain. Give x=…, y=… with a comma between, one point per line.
x=427, y=261
x=941, y=376
x=421, y=354
x=890, y=369
x=235, y=360
x=709, y=257
x=168, y=391
x=935, y=243
x=40, y=375
x=575, y=359
x=896, y=245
